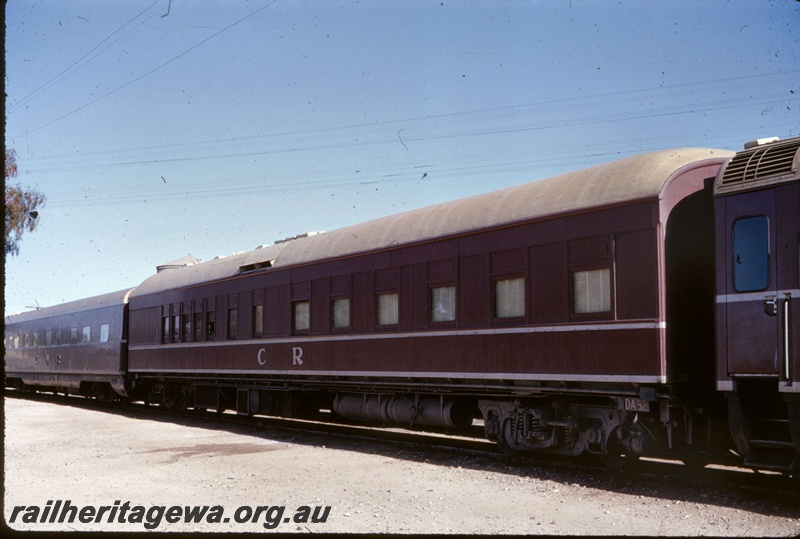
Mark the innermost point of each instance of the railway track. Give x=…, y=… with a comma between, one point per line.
x=440, y=446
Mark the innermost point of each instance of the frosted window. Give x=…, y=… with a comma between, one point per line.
x=443, y=304
x=509, y=298
x=341, y=313
x=302, y=319
x=592, y=291
x=388, y=309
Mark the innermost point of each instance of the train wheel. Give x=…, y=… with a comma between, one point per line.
x=104, y=393
x=173, y=398
x=502, y=440
x=618, y=456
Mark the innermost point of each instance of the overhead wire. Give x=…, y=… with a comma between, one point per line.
x=576, y=112
x=554, y=113
x=147, y=74
x=70, y=71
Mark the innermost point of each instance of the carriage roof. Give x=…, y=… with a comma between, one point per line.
x=623, y=181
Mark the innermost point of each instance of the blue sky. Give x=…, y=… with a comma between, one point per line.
x=161, y=128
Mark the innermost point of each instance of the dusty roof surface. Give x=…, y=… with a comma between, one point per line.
x=630, y=179
x=111, y=299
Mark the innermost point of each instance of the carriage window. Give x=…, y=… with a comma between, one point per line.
x=87, y=335
x=58, y=337
x=36, y=339
x=258, y=320
x=187, y=328
x=103, y=332
x=751, y=254
x=301, y=320
x=233, y=323
x=73, y=335
x=443, y=304
x=388, y=309
x=165, y=329
x=341, y=313
x=591, y=291
x=509, y=298
x=176, y=328
x=198, y=326
x=48, y=338
x=211, y=323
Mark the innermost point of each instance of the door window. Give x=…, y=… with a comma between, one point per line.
x=751, y=254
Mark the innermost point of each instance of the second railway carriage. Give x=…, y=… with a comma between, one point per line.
x=76, y=347
x=571, y=314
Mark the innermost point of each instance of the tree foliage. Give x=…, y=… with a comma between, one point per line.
x=22, y=206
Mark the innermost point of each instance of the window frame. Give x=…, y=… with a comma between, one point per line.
x=340, y=300
x=296, y=330
x=383, y=294
x=105, y=333
x=211, y=324
x=432, y=289
x=735, y=254
x=496, y=280
x=589, y=268
x=197, y=330
x=258, y=320
x=176, y=328
x=166, y=330
x=232, y=327
x=186, y=327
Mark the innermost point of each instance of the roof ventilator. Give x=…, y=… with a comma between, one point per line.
x=763, y=159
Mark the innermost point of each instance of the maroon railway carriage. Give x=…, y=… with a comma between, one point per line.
x=757, y=207
x=75, y=347
x=572, y=313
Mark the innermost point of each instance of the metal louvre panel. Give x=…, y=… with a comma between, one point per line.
x=774, y=161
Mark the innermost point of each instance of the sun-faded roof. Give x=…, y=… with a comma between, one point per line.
x=111, y=299
x=634, y=178
x=196, y=273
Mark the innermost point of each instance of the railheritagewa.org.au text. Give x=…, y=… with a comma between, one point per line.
x=153, y=516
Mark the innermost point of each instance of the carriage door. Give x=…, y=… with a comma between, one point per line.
x=752, y=303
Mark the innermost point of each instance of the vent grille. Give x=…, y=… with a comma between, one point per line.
x=769, y=162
